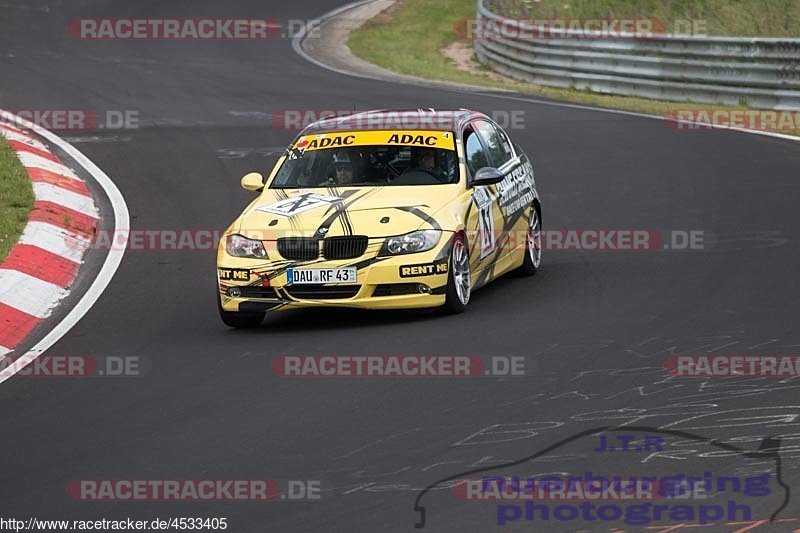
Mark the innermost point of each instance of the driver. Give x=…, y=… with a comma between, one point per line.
x=344, y=167
x=424, y=159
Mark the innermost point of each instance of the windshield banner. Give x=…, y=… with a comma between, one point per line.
x=432, y=139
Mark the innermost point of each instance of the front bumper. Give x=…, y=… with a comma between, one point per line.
x=395, y=282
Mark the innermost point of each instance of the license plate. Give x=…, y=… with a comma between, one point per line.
x=300, y=276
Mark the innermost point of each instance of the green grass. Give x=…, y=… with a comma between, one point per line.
x=16, y=198
x=409, y=39
x=764, y=18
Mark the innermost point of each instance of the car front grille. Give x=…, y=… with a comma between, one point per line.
x=298, y=248
x=322, y=292
x=347, y=247
x=307, y=249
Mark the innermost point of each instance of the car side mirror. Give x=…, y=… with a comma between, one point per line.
x=253, y=182
x=487, y=176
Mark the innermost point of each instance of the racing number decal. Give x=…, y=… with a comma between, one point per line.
x=298, y=204
x=485, y=220
x=487, y=231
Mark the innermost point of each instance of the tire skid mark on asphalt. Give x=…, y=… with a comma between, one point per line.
x=702, y=405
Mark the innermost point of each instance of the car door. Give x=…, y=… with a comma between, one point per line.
x=514, y=195
x=482, y=213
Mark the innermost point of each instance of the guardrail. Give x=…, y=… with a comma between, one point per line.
x=758, y=72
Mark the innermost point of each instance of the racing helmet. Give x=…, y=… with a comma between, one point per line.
x=342, y=158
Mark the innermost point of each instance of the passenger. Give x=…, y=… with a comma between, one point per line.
x=424, y=160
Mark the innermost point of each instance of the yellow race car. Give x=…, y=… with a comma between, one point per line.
x=379, y=211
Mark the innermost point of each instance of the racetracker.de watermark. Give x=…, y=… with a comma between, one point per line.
x=194, y=490
x=594, y=240
x=749, y=119
x=399, y=366
x=75, y=366
x=574, y=29
x=349, y=119
x=165, y=239
x=190, y=29
x=74, y=119
x=556, y=489
x=733, y=366
x=603, y=240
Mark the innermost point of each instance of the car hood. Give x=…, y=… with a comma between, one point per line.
x=322, y=212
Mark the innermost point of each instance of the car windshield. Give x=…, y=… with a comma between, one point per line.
x=350, y=164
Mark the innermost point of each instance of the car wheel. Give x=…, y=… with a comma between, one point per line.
x=239, y=320
x=533, y=245
x=459, y=281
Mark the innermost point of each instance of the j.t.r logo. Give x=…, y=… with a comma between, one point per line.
x=298, y=204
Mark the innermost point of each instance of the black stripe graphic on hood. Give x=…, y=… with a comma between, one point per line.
x=344, y=222
x=346, y=216
x=337, y=209
x=347, y=224
x=419, y=213
x=293, y=224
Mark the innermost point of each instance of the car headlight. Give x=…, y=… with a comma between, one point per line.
x=239, y=246
x=416, y=241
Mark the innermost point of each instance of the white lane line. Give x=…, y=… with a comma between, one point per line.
x=297, y=40
x=28, y=294
x=55, y=240
x=297, y=45
x=110, y=265
x=644, y=115
x=24, y=139
x=99, y=139
x=47, y=192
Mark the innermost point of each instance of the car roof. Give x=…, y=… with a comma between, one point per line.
x=395, y=119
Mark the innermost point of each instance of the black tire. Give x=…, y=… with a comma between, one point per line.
x=454, y=298
x=531, y=266
x=239, y=320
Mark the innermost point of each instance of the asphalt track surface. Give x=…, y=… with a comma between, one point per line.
x=595, y=327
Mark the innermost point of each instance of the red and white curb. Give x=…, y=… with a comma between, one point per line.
x=42, y=266
x=37, y=273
